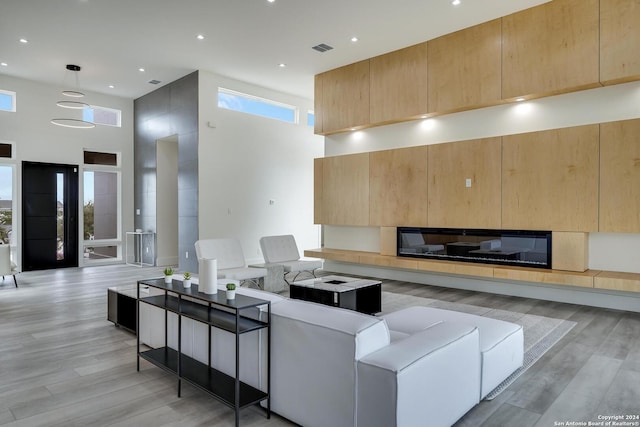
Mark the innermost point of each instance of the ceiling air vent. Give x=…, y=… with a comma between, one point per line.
x=154, y=82
x=322, y=47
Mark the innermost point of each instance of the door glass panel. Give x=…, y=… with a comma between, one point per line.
x=60, y=216
x=100, y=205
x=6, y=204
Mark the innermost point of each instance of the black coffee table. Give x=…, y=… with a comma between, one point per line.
x=361, y=295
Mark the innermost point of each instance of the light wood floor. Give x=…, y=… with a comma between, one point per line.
x=63, y=364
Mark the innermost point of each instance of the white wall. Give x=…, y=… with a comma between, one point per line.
x=36, y=139
x=245, y=161
x=617, y=252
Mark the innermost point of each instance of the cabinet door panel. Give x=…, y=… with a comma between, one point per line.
x=551, y=48
x=345, y=97
x=399, y=84
x=620, y=177
x=398, y=185
x=345, y=190
x=619, y=41
x=465, y=67
x=550, y=180
x=451, y=202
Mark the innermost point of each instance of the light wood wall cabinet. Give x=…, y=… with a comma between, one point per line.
x=399, y=84
x=557, y=47
x=465, y=67
x=318, y=218
x=570, y=251
x=388, y=241
x=345, y=190
x=620, y=177
x=345, y=97
x=551, y=48
x=398, y=185
x=619, y=41
x=550, y=180
x=451, y=202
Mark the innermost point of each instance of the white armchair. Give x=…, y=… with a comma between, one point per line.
x=6, y=266
x=284, y=251
x=231, y=262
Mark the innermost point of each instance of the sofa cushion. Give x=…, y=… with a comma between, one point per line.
x=501, y=343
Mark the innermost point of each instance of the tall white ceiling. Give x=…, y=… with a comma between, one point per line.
x=244, y=39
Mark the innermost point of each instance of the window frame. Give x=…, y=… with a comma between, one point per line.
x=15, y=214
x=98, y=107
x=14, y=101
x=118, y=240
x=294, y=109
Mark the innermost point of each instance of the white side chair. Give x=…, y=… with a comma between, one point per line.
x=7, y=268
x=284, y=251
x=230, y=260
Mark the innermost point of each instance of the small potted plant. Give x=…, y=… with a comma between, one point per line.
x=231, y=290
x=168, y=275
x=186, y=282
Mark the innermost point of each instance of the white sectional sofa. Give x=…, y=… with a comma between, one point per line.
x=501, y=343
x=331, y=366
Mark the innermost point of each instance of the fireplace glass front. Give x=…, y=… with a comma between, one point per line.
x=506, y=247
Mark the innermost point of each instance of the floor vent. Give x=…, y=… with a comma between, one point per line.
x=322, y=47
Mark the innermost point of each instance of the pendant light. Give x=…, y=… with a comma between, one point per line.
x=75, y=105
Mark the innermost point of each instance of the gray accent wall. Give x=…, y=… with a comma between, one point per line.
x=167, y=111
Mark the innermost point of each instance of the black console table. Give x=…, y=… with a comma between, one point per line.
x=216, y=311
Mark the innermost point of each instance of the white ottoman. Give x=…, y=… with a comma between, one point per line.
x=501, y=343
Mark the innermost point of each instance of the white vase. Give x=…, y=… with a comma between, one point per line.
x=168, y=279
x=186, y=283
x=231, y=294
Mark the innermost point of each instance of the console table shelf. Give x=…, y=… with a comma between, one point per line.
x=218, y=312
x=202, y=313
x=219, y=384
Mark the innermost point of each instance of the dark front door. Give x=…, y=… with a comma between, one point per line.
x=49, y=216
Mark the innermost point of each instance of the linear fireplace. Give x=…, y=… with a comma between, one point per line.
x=505, y=247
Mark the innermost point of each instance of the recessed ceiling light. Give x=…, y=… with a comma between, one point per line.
x=111, y=86
x=200, y=37
x=354, y=39
x=4, y=64
x=271, y=1
x=282, y=65
x=141, y=70
x=455, y=2
x=24, y=41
